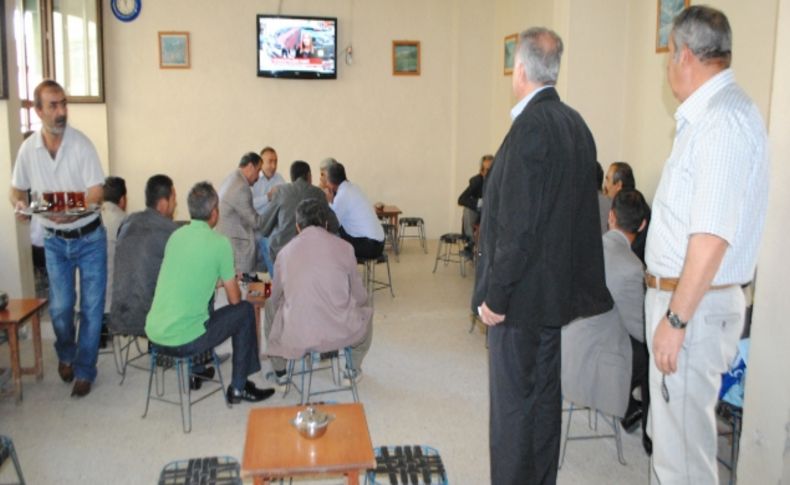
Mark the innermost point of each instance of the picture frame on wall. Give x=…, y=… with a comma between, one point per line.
x=405, y=58
x=667, y=10
x=174, y=50
x=511, y=41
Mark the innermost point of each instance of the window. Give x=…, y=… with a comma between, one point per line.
x=60, y=40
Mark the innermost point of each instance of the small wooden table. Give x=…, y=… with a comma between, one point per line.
x=274, y=449
x=391, y=213
x=11, y=319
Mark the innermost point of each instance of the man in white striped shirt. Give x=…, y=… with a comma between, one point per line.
x=708, y=217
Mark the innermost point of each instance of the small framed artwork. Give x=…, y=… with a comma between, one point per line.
x=510, y=52
x=174, y=50
x=667, y=10
x=405, y=58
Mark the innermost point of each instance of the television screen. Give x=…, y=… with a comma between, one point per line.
x=297, y=47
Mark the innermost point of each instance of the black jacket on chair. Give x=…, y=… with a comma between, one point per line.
x=540, y=258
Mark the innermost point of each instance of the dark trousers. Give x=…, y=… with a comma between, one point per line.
x=364, y=247
x=236, y=322
x=639, y=367
x=526, y=403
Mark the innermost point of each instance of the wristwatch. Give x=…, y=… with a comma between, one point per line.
x=675, y=320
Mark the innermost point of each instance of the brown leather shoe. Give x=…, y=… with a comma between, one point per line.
x=81, y=388
x=66, y=372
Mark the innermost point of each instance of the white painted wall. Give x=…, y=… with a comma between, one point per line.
x=396, y=135
x=765, y=441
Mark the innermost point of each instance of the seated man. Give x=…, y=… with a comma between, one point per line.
x=471, y=200
x=358, y=222
x=113, y=212
x=596, y=351
x=279, y=218
x=196, y=261
x=319, y=300
x=138, y=255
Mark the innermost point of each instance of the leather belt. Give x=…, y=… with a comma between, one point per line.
x=77, y=232
x=669, y=284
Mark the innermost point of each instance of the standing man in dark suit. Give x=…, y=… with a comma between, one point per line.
x=540, y=263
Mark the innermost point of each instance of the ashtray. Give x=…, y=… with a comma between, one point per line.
x=312, y=423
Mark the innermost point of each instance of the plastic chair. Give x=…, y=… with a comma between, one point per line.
x=450, y=250
x=161, y=359
x=407, y=465
x=612, y=421
x=213, y=470
x=7, y=450
x=412, y=223
x=308, y=367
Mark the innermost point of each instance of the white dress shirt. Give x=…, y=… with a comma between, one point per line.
x=261, y=188
x=715, y=181
x=355, y=213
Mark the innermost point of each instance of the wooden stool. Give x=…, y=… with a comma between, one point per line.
x=11, y=319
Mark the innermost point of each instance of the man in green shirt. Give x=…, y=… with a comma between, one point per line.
x=197, y=260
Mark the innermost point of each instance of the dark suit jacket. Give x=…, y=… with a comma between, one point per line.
x=138, y=255
x=472, y=193
x=541, y=259
x=279, y=218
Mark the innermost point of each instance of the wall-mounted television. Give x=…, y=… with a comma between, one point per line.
x=297, y=47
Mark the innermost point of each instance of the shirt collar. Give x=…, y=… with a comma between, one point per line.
x=693, y=108
x=519, y=107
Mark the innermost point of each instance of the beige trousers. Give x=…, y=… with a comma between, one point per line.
x=684, y=429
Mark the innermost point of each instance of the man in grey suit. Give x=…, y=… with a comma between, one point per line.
x=596, y=351
x=279, y=218
x=238, y=219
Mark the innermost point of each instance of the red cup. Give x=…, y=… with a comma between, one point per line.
x=49, y=200
x=76, y=200
x=60, y=202
x=267, y=289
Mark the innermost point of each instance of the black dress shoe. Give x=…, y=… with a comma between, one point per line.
x=81, y=388
x=632, y=421
x=647, y=443
x=197, y=378
x=66, y=372
x=250, y=393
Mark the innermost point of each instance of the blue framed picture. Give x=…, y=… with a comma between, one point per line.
x=510, y=52
x=174, y=50
x=667, y=10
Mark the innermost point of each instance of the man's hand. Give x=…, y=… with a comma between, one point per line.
x=272, y=191
x=20, y=206
x=666, y=346
x=488, y=317
x=329, y=195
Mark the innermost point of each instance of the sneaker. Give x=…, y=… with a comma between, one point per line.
x=250, y=393
x=280, y=377
x=354, y=375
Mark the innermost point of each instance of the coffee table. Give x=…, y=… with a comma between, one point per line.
x=12, y=318
x=274, y=449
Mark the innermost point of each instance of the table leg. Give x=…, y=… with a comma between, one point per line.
x=16, y=371
x=352, y=478
x=39, y=367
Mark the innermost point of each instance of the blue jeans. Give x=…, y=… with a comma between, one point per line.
x=64, y=257
x=263, y=247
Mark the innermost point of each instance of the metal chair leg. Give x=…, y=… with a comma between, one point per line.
x=567, y=433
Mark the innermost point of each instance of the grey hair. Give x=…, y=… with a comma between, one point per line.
x=202, y=200
x=705, y=31
x=327, y=162
x=540, y=51
x=310, y=212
